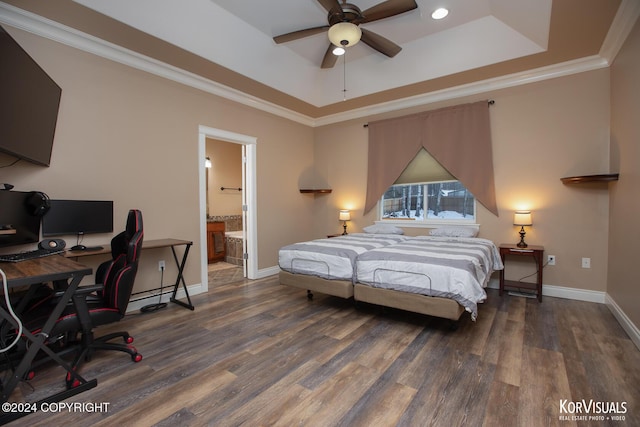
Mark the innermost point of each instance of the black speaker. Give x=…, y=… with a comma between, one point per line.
x=52, y=244
x=38, y=203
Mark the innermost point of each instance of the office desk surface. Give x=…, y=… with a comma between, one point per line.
x=45, y=269
x=146, y=244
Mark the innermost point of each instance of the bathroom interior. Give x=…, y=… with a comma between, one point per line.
x=225, y=241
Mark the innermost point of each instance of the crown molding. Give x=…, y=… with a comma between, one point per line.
x=57, y=32
x=623, y=23
x=530, y=76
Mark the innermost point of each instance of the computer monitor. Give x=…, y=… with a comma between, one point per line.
x=18, y=225
x=78, y=217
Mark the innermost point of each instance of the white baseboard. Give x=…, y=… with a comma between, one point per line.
x=266, y=272
x=137, y=304
x=573, y=293
x=563, y=292
x=625, y=322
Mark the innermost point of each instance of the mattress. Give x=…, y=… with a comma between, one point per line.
x=332, y=258
x=447, y=267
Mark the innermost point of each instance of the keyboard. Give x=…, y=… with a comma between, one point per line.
x=23, y=256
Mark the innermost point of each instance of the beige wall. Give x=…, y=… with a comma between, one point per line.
x=624, y=230
x=132, y=137
x=541, y=132
x=225, y=171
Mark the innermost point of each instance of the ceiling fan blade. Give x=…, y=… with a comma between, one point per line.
x=295, y=35
x=386, y=9
x=329, y=59
x=329, y=4
x=379, y=43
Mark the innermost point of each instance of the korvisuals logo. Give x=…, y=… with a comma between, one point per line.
x=592, y=410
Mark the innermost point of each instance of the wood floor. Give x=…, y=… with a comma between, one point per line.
x=256, y=353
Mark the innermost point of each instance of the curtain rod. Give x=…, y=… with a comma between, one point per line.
x=490, y=102
x=231, y=188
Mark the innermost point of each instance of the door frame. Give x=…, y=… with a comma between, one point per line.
x=250, y=225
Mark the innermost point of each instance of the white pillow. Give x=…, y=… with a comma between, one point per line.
x=455, y=231
x=383, y=229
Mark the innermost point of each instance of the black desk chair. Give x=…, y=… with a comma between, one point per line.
x=99, y=304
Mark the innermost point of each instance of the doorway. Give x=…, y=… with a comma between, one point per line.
x=248, y=196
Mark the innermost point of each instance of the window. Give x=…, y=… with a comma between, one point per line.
x=431, y=201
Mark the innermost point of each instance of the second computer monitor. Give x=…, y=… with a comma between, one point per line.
x=78, y=217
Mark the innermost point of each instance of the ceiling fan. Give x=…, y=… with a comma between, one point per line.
x=349, y=14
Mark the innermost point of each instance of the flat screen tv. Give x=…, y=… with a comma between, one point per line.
x=29, y=104
x=78, y=217
x=18, y=226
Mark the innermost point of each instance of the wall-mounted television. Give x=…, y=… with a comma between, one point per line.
x=29, y=104
x=18, y=226
x=78, y=217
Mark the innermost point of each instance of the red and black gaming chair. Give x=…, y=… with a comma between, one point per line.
x=100, y=304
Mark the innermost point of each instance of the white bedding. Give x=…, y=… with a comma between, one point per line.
x=332, y=258
x=448, y=267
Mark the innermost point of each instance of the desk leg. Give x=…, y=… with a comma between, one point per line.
x=538, y=257
x=180, y=278
x=38, y=343
x=501, y=288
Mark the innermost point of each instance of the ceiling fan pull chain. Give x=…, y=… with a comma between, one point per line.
x=344, y=76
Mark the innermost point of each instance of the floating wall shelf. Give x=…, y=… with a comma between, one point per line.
x=590, y=178
x=315, y=191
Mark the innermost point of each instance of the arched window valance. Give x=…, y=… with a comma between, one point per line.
x=458, y=137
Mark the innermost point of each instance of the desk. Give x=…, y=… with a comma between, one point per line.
x=33, y=272
x=155, y=244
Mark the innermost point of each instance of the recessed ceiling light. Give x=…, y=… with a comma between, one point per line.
x=439, y=13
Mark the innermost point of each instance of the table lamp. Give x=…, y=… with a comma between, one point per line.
x=522, y=218
x=345, y=216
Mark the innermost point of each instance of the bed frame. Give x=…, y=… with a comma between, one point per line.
x=431, y=306
x=339, y=288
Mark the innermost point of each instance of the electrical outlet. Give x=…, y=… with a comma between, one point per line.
x=160, y=265
x=551, y=260
x=586, y=262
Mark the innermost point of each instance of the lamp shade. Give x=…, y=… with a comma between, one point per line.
x=522, y=218
x=207, y=163
x=345, y=215
x=344, y=34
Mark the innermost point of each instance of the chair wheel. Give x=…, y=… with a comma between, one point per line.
x=136, y=357
x=71, y=383
x=128, y=339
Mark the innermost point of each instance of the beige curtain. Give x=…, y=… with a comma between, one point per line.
x=458, y=137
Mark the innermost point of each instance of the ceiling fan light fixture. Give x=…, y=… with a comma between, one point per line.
x=439, y=13
x=338, y=51
x=344, y=34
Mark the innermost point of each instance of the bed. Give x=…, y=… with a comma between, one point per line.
x=328, y=265
x=442, y=276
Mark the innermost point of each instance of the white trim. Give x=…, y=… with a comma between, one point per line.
x=626, y=323
x=202, y=206
x=27, y=21
x=55, y=31
x=250, y=144
x=484, y=86
x=563, y=292
x=266, y=272
x=428, y=223
x=137, y=304
x=622, y=24
x=573, y=293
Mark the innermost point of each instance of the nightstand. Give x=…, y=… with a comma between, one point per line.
x=533, y=251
